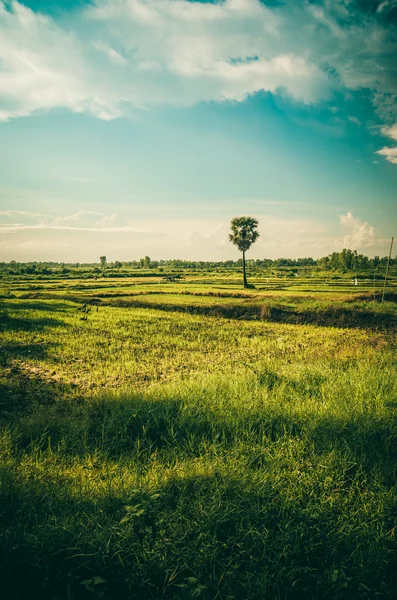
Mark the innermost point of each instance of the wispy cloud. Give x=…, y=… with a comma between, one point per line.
x=18, y=227
x=88, y=234
x=23, y=213
x=291, y=203
x=81, y=221
x=76, y=179
x=354, y=120
x=81, y=214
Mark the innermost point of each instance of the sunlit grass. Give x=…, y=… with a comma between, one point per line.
x=151, y=452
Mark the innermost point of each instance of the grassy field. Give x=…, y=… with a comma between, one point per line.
x=195, y=440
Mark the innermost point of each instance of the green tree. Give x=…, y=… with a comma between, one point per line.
x=103, y=260
x=243, y=235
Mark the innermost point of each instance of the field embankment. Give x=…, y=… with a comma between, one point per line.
x=344, y=311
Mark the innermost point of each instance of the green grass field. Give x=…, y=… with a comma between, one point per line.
x=195, y=440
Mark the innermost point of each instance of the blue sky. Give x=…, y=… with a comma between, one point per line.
x=137, y=127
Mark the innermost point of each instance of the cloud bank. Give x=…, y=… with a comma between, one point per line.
x=112, y=57
x=85, y=235
x=141, y=53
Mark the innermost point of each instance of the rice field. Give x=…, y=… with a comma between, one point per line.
x=197, y=440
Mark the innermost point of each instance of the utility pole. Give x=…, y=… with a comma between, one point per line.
x=387, y=270
x=374, y=285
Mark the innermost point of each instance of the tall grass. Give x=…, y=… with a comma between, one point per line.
x=149, y=454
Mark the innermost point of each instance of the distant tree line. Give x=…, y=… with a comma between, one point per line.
x=344, y=261
x=350, y=260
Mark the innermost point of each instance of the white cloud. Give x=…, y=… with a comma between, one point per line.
x=390, y=132
x=141, y=53
x=147, y=52
x=390, y=152
x=114, y=55
x=359, y=234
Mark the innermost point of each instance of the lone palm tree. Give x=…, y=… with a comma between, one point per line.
x=243, y=235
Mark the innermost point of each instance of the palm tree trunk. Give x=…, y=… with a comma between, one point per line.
x=244, y=273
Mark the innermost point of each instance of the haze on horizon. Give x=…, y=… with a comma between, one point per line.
x=142, y=127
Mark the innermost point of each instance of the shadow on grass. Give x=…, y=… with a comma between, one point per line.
x=200, y=536
x=53, y=306
x=344, y=317
x=10, y=322
x=271, y=525
x=370, y=443
x=369, y=296
x=347, y=316
x=138, y=426
x=24, y=390
x=11, y=351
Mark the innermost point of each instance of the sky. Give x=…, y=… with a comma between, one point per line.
x=142, y=127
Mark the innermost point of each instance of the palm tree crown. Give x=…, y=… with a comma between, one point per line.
x=244, y=232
